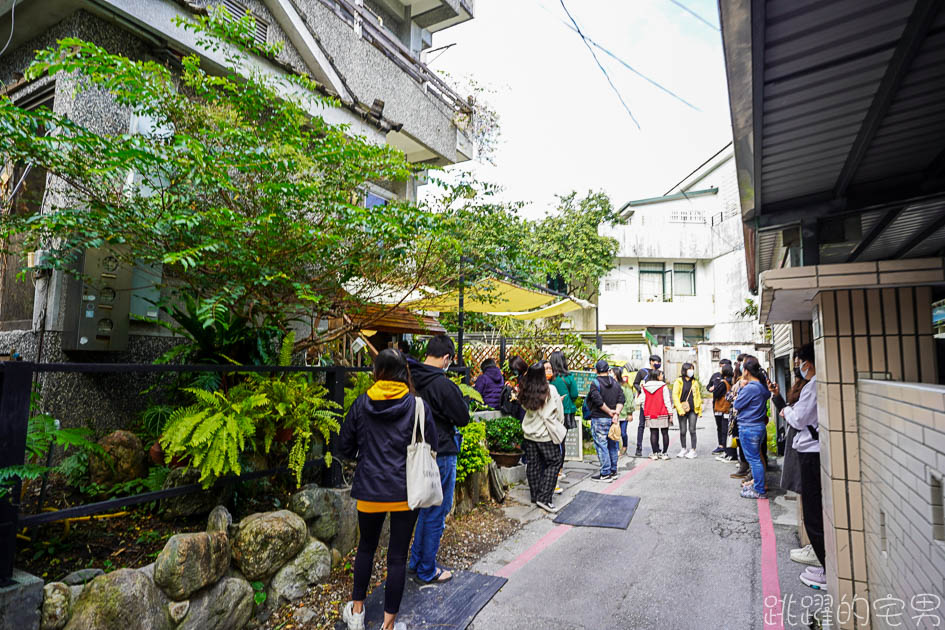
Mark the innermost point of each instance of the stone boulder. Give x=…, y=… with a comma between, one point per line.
x=126, y=459
x=190, y=562
x=321, y=509
x=311, y=566
x=57, y=606
x=120, y=600
x=265, y=541
x=195, y=503
x=219, y=520
x=82, y=576
x=227, y=605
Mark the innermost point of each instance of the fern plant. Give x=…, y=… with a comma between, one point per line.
x=296, y=404
x=214, y=431
x=360, y=383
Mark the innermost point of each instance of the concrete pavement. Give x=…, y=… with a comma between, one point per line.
x=691, y=558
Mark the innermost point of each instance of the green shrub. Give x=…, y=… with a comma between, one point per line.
x=504, y=435
x=473, y=455
x=359, y=384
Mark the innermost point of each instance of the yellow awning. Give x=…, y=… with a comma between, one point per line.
x=558, y=308
x=487, y=296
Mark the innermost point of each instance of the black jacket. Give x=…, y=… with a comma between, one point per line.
x=377, y=433
x=450, y=409
x=642, y=373
x=604, y=391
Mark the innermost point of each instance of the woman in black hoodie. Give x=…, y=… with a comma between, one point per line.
x=376, y=432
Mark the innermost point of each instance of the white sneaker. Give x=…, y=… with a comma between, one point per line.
x=681, y=453
x=805, y=555
x=814, y=578
x=398, y=625
x=354, y=620
x=548, y=507
x=691, y=454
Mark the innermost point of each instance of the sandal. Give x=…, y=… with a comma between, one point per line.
x=437, y=579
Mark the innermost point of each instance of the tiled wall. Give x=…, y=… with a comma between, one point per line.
x=859, y=333
x=902, y=462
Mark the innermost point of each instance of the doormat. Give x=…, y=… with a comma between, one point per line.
x=448, y=606
x=592, y=509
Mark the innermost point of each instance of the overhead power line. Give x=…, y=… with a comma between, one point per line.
x=599, y=64
x=696, y=15
x=622, y=61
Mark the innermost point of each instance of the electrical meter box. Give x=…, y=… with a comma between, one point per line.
x=98, y=304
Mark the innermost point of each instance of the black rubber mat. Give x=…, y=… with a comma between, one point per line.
x=448, y=606
x=592, y=509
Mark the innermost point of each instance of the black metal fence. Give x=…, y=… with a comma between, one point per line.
x=16, y=386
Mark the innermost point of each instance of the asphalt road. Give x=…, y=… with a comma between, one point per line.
x=691, y=557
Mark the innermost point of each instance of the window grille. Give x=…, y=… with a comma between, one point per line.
x=236, y=11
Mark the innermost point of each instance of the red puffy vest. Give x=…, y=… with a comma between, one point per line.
x=654, y=406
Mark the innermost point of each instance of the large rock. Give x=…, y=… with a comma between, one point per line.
x=321, y=508
x=190, y=562
x=263, y=542
x=57, y=606
x=82, y=576
x=227, y=605
x=346, y=539
x=120, y=600
x=219, y=520
x=21, y=602
x=311, y=566
x=193, y=504
x=126, y=459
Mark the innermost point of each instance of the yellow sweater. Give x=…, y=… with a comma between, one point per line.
x=696, y=396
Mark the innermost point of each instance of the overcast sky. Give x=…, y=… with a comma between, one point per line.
x=563, y=127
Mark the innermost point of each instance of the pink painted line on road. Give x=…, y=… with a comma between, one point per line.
x=560, y=530
x=770, y=582
x=546, y=541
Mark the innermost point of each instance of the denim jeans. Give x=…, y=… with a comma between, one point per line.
x=607, y=449
x=751, y=436
x=623, y=432
x=430, y=523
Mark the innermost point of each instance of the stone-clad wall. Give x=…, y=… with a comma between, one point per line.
x=902, y=464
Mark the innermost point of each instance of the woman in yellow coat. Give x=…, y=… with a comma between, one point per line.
x=687, y=399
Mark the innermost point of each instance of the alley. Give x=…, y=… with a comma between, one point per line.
x=695, y=555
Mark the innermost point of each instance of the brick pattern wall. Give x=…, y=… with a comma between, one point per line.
x=902, y=463
x=857, y=333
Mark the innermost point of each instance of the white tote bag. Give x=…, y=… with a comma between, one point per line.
x=423, y=475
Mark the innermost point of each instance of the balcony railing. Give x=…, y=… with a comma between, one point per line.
x=368, y=26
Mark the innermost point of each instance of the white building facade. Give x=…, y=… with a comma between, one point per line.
x=680, y=275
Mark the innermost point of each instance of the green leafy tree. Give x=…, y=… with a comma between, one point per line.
x=237, y=186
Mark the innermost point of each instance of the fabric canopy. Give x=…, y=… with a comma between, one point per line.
x=558, y=308
x=487, y=296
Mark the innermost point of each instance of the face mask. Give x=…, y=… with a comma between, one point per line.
x=804, y=372
x=797, y=373
x=656, y=365
x=690, y=373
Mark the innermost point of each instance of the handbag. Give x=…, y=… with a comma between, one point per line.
x=557, y=431
x=614, y=434
x=423, y=475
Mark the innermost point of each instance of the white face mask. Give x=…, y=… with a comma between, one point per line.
x=690, y=373
x=804, y=372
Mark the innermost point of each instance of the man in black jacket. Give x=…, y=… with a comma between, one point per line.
x=718, y=392
x=642, y=373
x=605, y=400
x=450, y=410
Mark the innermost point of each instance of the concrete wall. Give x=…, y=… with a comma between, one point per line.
x=857, y=333
x=902, y=459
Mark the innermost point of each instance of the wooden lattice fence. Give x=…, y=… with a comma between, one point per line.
x=475, y=352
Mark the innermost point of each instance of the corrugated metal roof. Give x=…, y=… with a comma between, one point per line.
x=910, y=222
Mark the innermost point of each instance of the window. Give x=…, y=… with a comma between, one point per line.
x=664, y=336
x=374, y=201
x=652, y=281
x=734, y=355
x=637, y=355
x=236, y=11
x=684, y=278
x=716, y=355
x=687, y=215
x=692, y=336
x=613, y=286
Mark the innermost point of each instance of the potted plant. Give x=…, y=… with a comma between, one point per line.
x=504, y=437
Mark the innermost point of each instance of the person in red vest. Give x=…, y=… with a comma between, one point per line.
x=657, y=409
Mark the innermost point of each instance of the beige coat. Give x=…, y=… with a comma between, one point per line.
x=533, y=425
